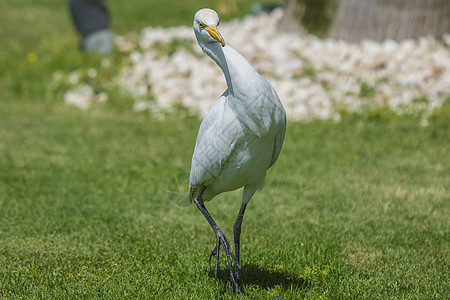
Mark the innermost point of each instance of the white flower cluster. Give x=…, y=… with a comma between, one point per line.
x=81, y=95
x=314, y=78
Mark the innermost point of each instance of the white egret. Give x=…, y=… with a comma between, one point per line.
x=239, y=139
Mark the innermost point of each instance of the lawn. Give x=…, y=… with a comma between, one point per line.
x=356, y=209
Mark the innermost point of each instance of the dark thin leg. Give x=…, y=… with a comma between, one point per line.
x=237, y=239
x=221, y=240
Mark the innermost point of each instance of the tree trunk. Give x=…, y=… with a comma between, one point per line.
x=354, y=20
x=312, y=16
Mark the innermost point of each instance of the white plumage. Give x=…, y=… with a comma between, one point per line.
x=240, y=137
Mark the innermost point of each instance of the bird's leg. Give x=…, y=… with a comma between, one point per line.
x=237, y=239
x=220, y=240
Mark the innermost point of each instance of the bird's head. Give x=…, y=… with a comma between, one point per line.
x=205, y=26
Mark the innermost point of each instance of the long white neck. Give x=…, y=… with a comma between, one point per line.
x=238, y=72
x=250, y=95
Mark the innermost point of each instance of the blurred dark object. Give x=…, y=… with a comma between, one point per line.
x=260, y=7
x=355, y=20
x=309, y=16
x=92, y=21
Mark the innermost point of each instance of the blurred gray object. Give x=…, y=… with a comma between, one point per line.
x=92, y=21
x=358, y=20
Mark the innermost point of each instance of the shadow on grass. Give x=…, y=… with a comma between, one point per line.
x=264, y=278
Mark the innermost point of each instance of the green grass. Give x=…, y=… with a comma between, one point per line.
x=356, y=210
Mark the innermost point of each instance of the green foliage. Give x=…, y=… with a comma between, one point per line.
x=355, y=209
x=310, y=72
x=367, y=91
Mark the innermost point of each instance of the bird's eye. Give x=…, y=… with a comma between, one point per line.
x=201, y=24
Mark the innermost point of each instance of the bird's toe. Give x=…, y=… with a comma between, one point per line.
x=213, y=253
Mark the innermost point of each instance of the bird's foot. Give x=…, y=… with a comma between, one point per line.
x=234, y=277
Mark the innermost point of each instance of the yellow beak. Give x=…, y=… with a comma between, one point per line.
x=214, y=32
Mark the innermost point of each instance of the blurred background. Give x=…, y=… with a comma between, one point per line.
x=371, y=42
x=355, y=20
x=95, y=149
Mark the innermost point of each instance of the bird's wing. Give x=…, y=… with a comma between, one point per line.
x=277, y=146
x=262, y=113
x=280, y=124
x=216, y=139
